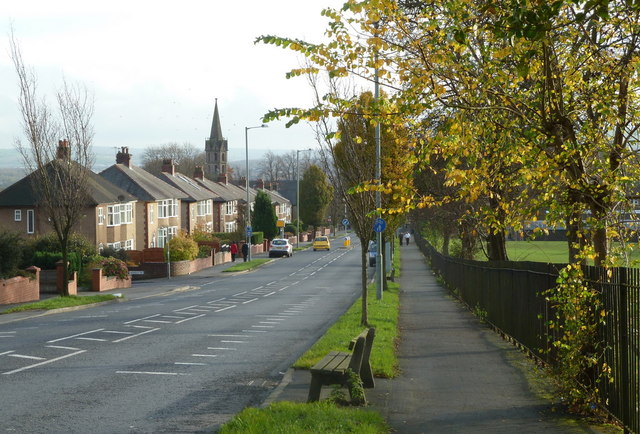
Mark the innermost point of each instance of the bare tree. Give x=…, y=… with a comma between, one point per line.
x=185, y=156
x=57, y=150
x=270, y=167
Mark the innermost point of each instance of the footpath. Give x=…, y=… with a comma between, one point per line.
x=457, y=375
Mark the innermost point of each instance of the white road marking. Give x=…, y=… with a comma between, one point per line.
x=161, y=321
x=7, y=352
x=233, y=342
x=262, y=326
x=190, y=363
x=92, y=339
x=222, y=348
x=271, y=293
x=189, y=319
x=136, y=335
x=185, y=308
x=61, y=347
x=117, y=332
x=240, y=293
x=43, y=363
x=229, y=336
x=225, y=308
x=74, y=336
x=150, y=373
x=23, y=356
x=249, y=301
x=141, y=319
x=204, y=355
x=267, y=322
x=254, y=331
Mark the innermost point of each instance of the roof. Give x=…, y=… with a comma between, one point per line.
x=194, y=191
x=100, y=191
x=227, y=192
x=140, y=183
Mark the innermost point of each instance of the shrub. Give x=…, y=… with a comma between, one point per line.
x=11, y=251
x=181, y=248
x=257, y=238
x=110, y=252
x=204, y=251
x=46, y=259
x=112, y=267
x=290, y=228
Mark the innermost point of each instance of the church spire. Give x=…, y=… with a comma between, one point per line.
x=216, y=149
x=216, y=129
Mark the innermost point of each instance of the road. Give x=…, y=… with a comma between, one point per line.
x=184, y=362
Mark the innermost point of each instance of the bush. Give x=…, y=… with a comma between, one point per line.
x=257, y=238
x=111, y=267
x=181, y=248
x=290, y=228
x=204, y=251
x=11, y=251
x=110, y=252
x=46, y=259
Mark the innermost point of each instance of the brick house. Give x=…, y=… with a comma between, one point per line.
x=158, y=203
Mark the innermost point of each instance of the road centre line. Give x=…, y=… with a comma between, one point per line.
x=141, y=319
x=140, y=326
x=254, y=331
x=249, y=301
x=117, y=332
x=204, y=355
x=259, y=287
x=262, y=326
x=234, y=342
x=271, y=293
x=24, y=356
x=225, y=308
x=136, y=335
x=188, y=319
x=74, y=336
x=60, y=347
x=172, y=316
x=216, y=300
x=268, y=322
x=190, y=363
x=199, y=310
x=92, y=339
x=222, y=348
x=240, y=293
x=229, y=336
x=185, y=308
x=161, y=321
x=43, y=363
x=271, y=283
x=151, y=373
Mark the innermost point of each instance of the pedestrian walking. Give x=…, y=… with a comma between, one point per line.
x=234, y=251
x=407, y=237
x=245, y=250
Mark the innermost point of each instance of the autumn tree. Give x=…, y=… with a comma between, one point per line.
x=263, y=217
x=57, y=150
x=315, y=194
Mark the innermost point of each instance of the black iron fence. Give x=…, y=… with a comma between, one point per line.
x=508, y=296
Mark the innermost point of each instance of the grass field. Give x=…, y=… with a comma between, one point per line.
x=556, y=252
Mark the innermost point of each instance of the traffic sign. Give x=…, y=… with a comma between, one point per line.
x=345, y=222
x=379, y=225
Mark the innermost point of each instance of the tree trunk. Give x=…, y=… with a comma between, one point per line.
x=364, y=318
x=496, y=247
x=446, y=241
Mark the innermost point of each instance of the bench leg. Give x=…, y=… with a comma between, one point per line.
x=314, y=389
x=356, y=396
x=367, y=376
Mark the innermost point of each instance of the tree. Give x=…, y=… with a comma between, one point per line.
x=186, y=156
x=315, y=194
x=263, y=217
x=270, y=167
x=57, y=151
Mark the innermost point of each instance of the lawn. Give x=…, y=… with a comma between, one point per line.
x=60, y=302
x=556, y=252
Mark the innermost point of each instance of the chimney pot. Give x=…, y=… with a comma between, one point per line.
x=168, y=166
x=123, y=157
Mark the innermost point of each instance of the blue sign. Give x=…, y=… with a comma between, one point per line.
x=379, y=225
x=345, y=222
x=249, y=229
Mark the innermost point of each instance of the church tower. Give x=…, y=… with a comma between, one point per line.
x=216, y=149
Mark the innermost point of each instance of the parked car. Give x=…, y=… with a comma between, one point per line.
x=280, y=247
x=321, y=243
x=372, y=252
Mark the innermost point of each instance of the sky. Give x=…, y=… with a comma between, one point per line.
x=157, y=68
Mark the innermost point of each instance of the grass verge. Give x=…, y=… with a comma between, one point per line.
x=320, y=417
x=60, y=302
x=244, y=266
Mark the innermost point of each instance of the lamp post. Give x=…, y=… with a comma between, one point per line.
x=248, y=214
x=298, y=194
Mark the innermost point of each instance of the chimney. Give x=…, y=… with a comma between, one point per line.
x=223, y=178
x=169, y=167
x=198, y=173
x=260, y=184
x=243, y=181
x=63, y=152
x=124, y=157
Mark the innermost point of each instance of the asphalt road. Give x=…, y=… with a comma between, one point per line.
x=184, y=362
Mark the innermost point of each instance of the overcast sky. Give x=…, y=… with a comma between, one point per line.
x=156, y=70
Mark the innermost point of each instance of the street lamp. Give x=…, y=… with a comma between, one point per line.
x=298, y=194
x=248, y=216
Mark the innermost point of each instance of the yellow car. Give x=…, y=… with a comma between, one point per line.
x=321, y=243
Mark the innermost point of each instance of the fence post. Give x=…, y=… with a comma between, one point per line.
x=627, y=401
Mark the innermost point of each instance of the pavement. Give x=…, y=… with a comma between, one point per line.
x=456, y=374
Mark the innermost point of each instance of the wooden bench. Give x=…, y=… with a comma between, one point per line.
x=333, y=369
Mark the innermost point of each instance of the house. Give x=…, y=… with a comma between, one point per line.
x=108, y=218
x=197, y=204
x=227, y=199
x=158, y=203
x=281, y=204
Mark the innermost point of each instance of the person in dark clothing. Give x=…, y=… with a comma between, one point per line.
x=245, y=250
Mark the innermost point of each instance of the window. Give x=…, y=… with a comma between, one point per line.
x=116, y=246
x=231, y=207
x=209, y=207
x=230, y=227
x=100, y=216
x=128, y=245
x=119, y=214
x=152, y=208
x=165, y=234
x=202, y=208
x=30, y=221
x=168, y=208
x=17, y=215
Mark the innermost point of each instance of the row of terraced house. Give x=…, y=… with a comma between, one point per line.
x=132, y=209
